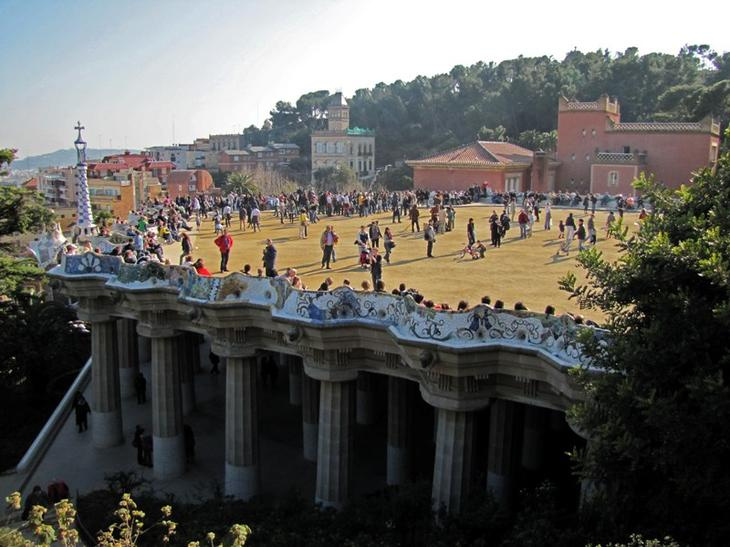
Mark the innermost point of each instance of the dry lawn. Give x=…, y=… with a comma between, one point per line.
x=521, y=270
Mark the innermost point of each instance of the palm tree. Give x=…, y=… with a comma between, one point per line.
x=241, y=183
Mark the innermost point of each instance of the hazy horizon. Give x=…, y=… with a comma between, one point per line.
x=130, y=72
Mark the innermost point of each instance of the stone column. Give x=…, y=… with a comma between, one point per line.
x=106, y=404
x=335, y=446
x=310, y=417
x=144, y=345
x=194, y=349
x=168, y=451
x=400, y=414
x=242, y=478
x=533, y=437
x=365, y=399
x=295, y=379
x=502, y=447
x=127, y=340
x=453, y=461
x=187, y=372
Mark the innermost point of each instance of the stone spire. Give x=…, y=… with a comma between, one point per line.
x=84, y=218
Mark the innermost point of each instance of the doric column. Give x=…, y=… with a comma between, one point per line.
x=365, y=399
x=400, y=413
x=533, y=437
x=128, y=355
x=168, y=450
x=242, y=441
x=453, y=460
x=187, y=372
x=335, y=447
x=144, y=344
x=106, y=404
x=502, y=448
x=295, y=379
x=310, y=417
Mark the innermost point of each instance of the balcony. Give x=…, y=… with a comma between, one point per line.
x=628, y=158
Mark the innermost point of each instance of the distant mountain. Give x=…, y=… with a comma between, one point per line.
x=63, y=158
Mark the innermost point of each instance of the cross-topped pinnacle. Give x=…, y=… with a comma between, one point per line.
x=79, y=127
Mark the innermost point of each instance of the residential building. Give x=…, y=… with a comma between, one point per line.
x=58, y=185
x=185, y=182
x=600, y=153
x=500, y=166
x=272, y=156
x=115, y=163
x=342, y=146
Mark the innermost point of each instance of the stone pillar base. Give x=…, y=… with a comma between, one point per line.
x=106, y=428
x=397, y=466
x=310, y=436
x=126, y=382
x=168, y=456
x=242, y=481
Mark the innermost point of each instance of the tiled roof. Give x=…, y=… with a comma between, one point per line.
x=480, y=153
x=658, y=127
x=236, y=152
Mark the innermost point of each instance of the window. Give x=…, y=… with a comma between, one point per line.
x=572, y=157
x=340, y=148
x=713, y=153
x=593, y=132
x=512, y=183
x=584, y=132
x=627, y=150
x=235, y=158
x=613, y=178
x=588, y=157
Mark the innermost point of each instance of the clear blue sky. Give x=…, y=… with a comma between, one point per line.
x=130, y=69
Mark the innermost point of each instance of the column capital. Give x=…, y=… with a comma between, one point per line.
x=456, y=393
x=328, y=365
x=155, y=324
x=95, y=309
x=231, y=342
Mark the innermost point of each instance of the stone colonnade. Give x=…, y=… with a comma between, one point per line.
x=331, y=406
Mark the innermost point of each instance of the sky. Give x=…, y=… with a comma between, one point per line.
x=158, y=72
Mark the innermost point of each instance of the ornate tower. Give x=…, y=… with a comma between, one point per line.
x=84, y=219
x=338, y=113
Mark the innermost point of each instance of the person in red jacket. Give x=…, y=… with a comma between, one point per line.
x=201, y=269
x=224, y=242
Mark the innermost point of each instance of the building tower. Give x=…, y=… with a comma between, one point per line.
x=338, y=113
x=84, y=220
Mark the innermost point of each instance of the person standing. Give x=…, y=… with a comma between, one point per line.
x=395, y=205
x=140, y=388
x=569, y=227
x=327, y=242
x=82, y=411
x=429, y=235
x=413, y=214
x=376, y=268
x=471, y=234
x=303, y=222
x=270, y=258
x=242, y=217
x=548, y=216
x=375, y=234
x=138, y=443
x=187, y=246
x=522, y=220
x=224, y=243
x=592, y=229
x=256, y=218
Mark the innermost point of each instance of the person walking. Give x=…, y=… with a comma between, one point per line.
x=376, y=269
x=82, y=411
x=592, y=230
x=256, y=218
x=581, y=234
x=187, y=246
x=214, y=362
x=388, y=243
x=138, y=443
x=375, y=234
x=395, y=205
x=429, y=234
x=303, y=222
x=242, y=217
x=548, y=216
x=327, y=242
x=413, y=214
x=269, y=258
x=522, y=220
x=569, y=227
x=471, y=234
x=224, y=243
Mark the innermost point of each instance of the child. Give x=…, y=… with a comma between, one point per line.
x=479, y=250
x=218, y=226
x=467, y=251
x=364, y=254
x=561, y=228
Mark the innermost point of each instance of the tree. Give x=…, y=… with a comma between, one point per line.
x=102, y=216
x=498, y=133
x=658, y=407
x=241, y=183
x=7, y=155
x=336, y=179
x=22, y=210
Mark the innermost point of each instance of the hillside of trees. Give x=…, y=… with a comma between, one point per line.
x=515, y=99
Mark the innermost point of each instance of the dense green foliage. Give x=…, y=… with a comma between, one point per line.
x=515, y=99
x=659, y=416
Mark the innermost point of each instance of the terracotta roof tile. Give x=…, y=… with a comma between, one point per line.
x=486, y=153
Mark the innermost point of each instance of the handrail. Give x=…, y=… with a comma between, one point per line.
x=30, y=460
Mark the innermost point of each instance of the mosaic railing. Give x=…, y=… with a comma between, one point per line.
x=400, y=315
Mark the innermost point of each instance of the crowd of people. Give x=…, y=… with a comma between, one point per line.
x=165, y=221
